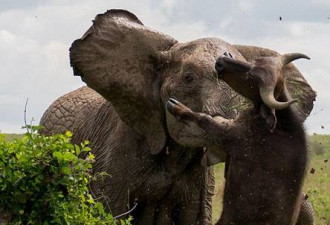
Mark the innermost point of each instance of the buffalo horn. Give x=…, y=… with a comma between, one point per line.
x=267, y=96
x=287, y=58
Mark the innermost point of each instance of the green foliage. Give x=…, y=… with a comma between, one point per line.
x=317, y=182
x=43, y=181
x=320, y=200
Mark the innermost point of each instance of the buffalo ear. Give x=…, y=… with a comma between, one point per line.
x=116, y=58
x=269, y=117
x=295, y=82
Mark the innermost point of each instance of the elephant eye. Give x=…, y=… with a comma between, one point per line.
x=189, y=77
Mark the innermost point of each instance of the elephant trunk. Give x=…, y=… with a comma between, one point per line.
x=306, y=214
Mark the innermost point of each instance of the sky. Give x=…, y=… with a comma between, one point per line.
x=35, y=36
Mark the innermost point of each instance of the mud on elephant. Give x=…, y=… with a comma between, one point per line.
x=131, y=71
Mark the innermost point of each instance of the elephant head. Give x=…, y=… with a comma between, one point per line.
x=138, y=69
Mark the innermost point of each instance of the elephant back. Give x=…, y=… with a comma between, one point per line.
x=69, y=111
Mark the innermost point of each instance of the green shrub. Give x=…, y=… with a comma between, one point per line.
x=43, y=181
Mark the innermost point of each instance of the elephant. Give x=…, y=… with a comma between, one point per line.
x=131, y=71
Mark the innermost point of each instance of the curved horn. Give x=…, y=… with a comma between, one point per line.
x=267, y=96
x=287, y=58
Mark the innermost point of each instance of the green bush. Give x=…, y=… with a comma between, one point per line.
x=43, y=181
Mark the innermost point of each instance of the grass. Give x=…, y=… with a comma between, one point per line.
x=317, y=181
x=10, y=137
x=316, y=184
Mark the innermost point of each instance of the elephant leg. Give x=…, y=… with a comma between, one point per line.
x=208, y=193
x=198, y=209
x=115, y=203
x=164, y=213
x=147, y=215
x=306, y=214
x=191, y=214
x=170, y=212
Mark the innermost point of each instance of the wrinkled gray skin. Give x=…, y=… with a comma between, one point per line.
x=131, y=71
x=306, y=214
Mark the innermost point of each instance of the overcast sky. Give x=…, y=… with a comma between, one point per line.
x=35, y=36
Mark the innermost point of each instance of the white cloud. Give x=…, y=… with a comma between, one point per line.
x=191, y=31
x=322, y=3
x=6, y=37
x=246, y=5
x=35, y=39
x=296, y=30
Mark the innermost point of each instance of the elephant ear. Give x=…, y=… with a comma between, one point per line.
x=296, y=83
x=117, y=57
